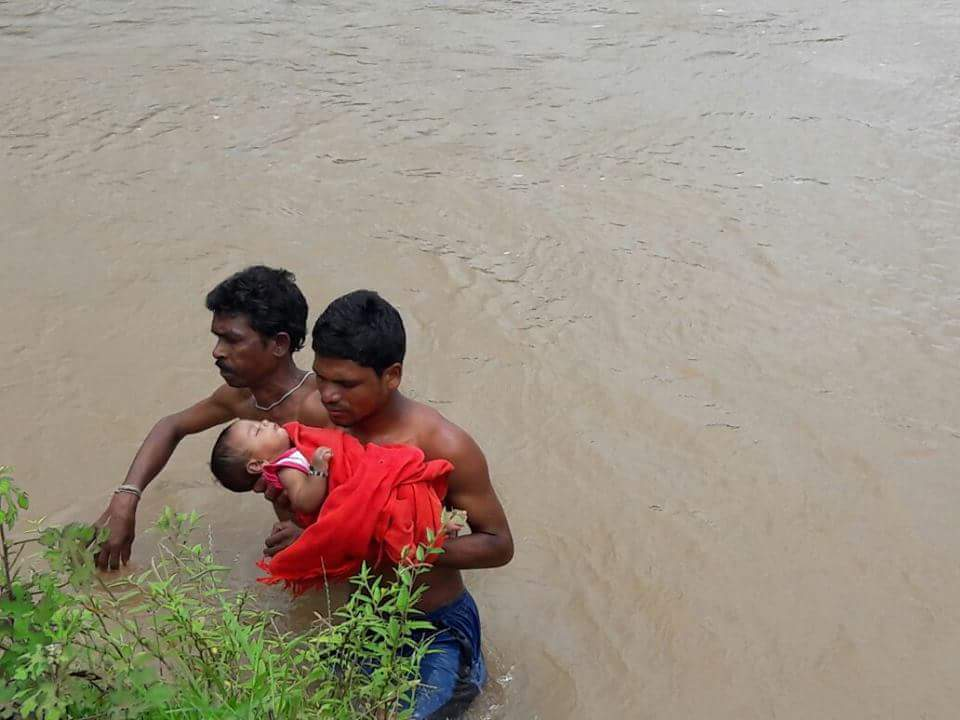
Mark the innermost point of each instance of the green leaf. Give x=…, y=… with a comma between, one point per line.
x=111, y=633
x=420, y=625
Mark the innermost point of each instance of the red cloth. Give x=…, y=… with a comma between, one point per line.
x=380, y=499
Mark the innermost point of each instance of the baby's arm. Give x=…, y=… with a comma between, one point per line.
x=307, y=492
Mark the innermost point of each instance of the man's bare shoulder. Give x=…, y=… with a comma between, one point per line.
x=235, y=400
x=438, y=436
x=312, y=412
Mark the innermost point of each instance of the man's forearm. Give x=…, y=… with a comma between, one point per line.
x=153, y=455
x=121, y=513
x=479, y=550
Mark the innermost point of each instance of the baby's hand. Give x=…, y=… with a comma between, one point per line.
x=321, y=460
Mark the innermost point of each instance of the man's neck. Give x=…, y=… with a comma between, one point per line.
x=385, y=421
x=273, y=387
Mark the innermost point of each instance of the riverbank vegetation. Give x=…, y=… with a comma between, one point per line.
x=174, y=641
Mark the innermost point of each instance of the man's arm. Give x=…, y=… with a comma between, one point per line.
x=490, y=543
x=120, y=515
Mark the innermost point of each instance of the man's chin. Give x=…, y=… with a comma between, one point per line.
x=340, y=419
x=232, y=380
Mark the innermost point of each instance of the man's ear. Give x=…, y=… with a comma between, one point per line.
x=281, y=344
x=255, y=467
x=392, y=376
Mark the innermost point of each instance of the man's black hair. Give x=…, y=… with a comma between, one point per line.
x=268, y=297
x=228, y=466
x=363, y=327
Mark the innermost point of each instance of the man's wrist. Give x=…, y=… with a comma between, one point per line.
x=125, y=499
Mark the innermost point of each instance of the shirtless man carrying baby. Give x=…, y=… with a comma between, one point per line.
x=260, y=320
x=359, y=345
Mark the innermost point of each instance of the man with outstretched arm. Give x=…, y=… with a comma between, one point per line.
x=359, y=344
x=259, y=320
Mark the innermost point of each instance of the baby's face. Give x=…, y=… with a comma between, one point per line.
x=262, y=440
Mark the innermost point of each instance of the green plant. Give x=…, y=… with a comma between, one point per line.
x=175, y=642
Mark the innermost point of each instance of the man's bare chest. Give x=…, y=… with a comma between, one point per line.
x=401, y=437
x=396, y=438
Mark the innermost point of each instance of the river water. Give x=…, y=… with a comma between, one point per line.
x=688, y=272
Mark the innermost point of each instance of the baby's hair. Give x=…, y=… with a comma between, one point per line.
x=228, y=466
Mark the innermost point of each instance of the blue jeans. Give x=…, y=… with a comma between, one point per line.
x=452, y=674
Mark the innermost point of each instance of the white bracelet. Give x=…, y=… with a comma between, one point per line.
x=131, y=489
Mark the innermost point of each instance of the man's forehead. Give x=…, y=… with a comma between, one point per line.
x=333, y=368
x=230, y=322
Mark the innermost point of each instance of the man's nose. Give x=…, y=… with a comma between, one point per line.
x=330, y=396
x=218, y=352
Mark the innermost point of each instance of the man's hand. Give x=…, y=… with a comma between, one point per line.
x=120, y=518
x=278, y=496
x=281, y=536
x=121, y=514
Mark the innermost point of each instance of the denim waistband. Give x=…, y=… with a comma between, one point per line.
x=463, y=601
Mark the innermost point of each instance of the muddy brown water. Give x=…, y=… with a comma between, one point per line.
x=688, y=271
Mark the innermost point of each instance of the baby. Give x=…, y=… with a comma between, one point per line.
x=378, y=502
x=252, y=455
